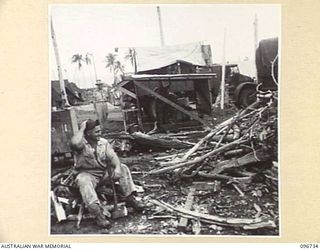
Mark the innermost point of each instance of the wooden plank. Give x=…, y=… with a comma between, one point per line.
x=174, y=76
x=127, y=92
x=246, y=223
x=139, y=116
x=60, y=213
x=184, y=221
x=64, y=126
x=206, y=186
x=153, y=141
x=174, y=105
x=122, y=83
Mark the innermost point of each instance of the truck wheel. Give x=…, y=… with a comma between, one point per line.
x=247, y=96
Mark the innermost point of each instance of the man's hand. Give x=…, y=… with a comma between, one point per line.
x=77, y=140
x=117, y=173
x=83, y=125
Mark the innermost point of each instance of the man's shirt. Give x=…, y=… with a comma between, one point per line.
x=101, y=96
x=94, y=161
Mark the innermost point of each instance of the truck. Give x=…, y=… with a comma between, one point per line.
x=195, y=92
x=242, y=89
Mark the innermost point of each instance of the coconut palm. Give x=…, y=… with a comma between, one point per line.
x=77, y=58
x=88, y=61
x=80, y=59
x=131, y=55
x=110, y=60
x=114, y=65
x=119, y=67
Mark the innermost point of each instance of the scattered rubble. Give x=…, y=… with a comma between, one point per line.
x=220, y=181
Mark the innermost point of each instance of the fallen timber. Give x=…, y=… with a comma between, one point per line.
x=152, y=141
x=228, y=165
x=199, y=159
x=236, y=163
x=243, y=136
x=245, y=223
x=224, y=128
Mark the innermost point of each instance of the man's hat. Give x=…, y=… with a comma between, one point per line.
x=91, y=124
x=99, y=83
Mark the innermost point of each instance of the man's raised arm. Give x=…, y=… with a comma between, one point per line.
x=77, y=139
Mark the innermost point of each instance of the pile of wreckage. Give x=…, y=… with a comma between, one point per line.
x=231, y=154
x=234, y=152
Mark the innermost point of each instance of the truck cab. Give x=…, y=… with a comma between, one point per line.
x=233, y=79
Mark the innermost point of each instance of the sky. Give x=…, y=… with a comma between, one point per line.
x=98, y=29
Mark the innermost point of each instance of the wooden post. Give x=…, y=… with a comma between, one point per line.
x=255, y=27
x=223, y=72
x=65, y=102
x=135, y=60
x=139, y=107
x=160, y=26
x=123, y=113
x=184, y=221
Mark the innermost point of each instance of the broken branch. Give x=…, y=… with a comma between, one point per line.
x=245, y=223
x=199, y=159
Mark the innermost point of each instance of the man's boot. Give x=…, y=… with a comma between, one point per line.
x=97, y=212
x=134, y=203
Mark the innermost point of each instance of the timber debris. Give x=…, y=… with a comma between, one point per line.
x=218, y=181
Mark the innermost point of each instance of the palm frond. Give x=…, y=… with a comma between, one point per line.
x=110, y=60
x=77, y=58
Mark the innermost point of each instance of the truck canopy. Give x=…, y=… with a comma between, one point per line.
x=266, y=53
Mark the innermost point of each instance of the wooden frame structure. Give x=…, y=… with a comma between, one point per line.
x=143, y=85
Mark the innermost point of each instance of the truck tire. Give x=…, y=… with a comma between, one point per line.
x=247, y=96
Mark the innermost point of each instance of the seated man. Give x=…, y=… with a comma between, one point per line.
x=92, y=156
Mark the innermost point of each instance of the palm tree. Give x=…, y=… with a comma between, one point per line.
x=88, y=61
x=119, y=67
x=110, y=60
x=114, y=65
x=77, y=58
x=131, y=55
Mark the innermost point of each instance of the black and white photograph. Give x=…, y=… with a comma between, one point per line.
x=164, y=119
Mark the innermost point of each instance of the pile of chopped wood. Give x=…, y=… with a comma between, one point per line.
x=248, y=137
x=234, y=152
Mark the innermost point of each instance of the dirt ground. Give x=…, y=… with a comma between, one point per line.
x=226, y=202
x=259, y=199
